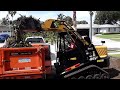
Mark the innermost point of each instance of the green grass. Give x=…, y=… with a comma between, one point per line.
x=110, y=51
x=115, y=37
x=115, y=55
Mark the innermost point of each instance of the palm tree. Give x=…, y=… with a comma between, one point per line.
x=61, y=16
x=68, y=19
x=12, y=13
x=5, y=21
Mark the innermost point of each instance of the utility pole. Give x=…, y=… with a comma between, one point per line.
x=74, y=20
x=90, y=31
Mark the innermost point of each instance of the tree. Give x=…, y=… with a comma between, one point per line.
x=107, y=17
x=4, y=21
x=68, y=19
x=30, y=22
x=12, y=13
x=60, y=16
x=82, y=22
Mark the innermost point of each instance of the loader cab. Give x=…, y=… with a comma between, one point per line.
x=101, y=48
x=70, y=51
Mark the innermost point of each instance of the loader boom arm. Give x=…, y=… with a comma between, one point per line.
x=61, y=26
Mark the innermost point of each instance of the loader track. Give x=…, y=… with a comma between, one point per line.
x=89, y=72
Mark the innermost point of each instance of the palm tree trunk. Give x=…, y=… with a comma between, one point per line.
x=12, y=27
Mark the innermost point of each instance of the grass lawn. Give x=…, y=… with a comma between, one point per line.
x=115, y=37
x=115, y=55
x=110, y=51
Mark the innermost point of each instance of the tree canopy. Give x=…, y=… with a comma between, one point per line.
x=5, y=21
x=68, y=19
x=30, y=22
x=107, y=17
x=12, y=13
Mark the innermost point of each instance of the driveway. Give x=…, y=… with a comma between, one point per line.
x=53, y=53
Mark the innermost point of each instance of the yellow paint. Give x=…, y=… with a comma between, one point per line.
x=100, y=60
x=73, y=58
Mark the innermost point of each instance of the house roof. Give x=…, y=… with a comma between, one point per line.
x=108, y=25
x=86, y=26
x=4, y=26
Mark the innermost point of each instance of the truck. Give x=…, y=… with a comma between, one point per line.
x=77, y=57
x=3, y=39
x=37, y=41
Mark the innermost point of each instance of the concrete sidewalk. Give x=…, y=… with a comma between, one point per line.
x=109, y=43
x=113, y=53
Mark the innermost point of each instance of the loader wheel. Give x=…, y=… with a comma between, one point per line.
x=105, y=76
x=89, y=77
x=81, y=77
x=97, y=76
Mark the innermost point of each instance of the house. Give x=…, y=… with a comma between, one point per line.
x=107, y=28
x=97, y=29
x=6, y=30
x=0, y=22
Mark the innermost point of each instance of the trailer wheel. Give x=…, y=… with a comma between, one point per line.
x=81, y=77
x=89, y=77
x=105, y=76
x=97, y=76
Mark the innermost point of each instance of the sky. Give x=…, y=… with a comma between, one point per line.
x=44, y=15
